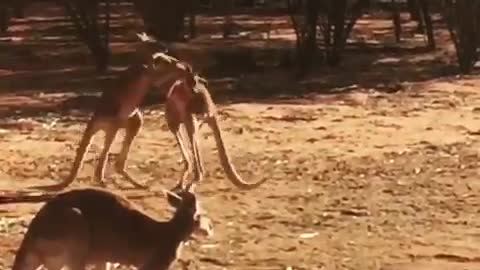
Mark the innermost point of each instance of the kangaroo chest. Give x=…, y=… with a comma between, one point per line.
x=125, y=95
x=132, y=96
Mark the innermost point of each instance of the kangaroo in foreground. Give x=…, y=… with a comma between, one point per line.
x=185, y=101
x=118, y=108
x=94, y=227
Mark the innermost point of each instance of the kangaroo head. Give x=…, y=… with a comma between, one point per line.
x=164, y=67
x=151, y=43
x=186, y=204
x=147, y=47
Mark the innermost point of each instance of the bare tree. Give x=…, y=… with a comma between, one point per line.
x=85, y=15
x=164, y=19
x=339, y=19
x=463, y=22
x=336, y=22
x=426, y=19
x=334, y=18
x=420, y=12
x=304, y=18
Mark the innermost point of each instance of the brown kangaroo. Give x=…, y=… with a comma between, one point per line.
x=185, y=101
x=118, y=108
x=94, y=227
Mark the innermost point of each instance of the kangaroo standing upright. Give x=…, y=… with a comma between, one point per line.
x=185, y=104
x=118, y=108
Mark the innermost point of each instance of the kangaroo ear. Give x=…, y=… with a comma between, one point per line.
x=202, y=80
x=158, y=45
x=173, y=199
x=144, y=37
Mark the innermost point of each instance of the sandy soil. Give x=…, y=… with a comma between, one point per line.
x=361, y=179
x=386, y=182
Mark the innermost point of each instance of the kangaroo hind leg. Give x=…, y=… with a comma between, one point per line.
x=92, y=128
x=132, y=128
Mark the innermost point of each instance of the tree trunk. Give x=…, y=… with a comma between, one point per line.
x=307, y=53
x=304, y=17
x=164, y=19
x=357, y=11
x=226, y=7
x=335, y=27
x=426, y=20
x=85, y=19
x=414, y=10
x=337, y=17
x=292, y=8
x=463, y=22
x=396, y=21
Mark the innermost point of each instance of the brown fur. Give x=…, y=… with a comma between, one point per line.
x=187, y=98
x=183, y=107
x=93, y=226
x=118, y=108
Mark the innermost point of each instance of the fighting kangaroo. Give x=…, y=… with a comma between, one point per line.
x=94, y=227
x=186, y=98
x=118, y=108
x=186, y=104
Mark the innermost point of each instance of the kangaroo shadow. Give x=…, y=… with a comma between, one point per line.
x=20, y=196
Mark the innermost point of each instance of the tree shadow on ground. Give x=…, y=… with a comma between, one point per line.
x=59, y=76
x=380, y=69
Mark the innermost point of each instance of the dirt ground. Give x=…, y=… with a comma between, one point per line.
x=359, y=178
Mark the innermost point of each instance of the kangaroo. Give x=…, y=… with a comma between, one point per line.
x=186, y=104
x=118, y=108
x=186, y=98
x=95, y=227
